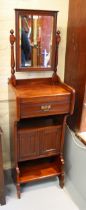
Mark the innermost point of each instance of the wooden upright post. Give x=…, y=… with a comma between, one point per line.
x=12, y=40
x=58, y=38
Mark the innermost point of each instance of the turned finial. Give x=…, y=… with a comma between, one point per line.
x=58, y=37
x=12, y=37
x=12, y=31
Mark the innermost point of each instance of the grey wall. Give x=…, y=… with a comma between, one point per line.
x=75, y=168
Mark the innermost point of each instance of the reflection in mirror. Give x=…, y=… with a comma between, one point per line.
x=35, y=40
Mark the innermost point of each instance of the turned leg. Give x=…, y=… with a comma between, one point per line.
x=61, y=180
x=61, y=176
x=18, y=190
x=18, y=183
x=2, y=198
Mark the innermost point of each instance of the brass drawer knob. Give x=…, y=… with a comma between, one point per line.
x=45, y=108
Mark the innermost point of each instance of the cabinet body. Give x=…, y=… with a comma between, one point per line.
x=38, y=111
x=2, y=193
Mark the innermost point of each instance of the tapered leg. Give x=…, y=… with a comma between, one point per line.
x=2, y=198
x=18, y=183
x=18, y=190
x=61, y=176
x=61, y=180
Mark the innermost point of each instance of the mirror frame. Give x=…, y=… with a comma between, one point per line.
x=22, y=12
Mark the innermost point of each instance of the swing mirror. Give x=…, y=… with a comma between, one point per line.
x=35, y=39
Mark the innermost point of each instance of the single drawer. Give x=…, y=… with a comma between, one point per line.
x=44, y=108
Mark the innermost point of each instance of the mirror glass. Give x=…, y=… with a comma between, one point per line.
x=35, y=38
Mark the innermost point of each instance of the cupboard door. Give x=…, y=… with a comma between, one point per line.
x=49, y=141
x=27, y=145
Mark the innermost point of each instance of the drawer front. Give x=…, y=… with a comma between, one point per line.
x=32, y=109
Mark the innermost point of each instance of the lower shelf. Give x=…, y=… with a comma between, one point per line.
x=35, y=170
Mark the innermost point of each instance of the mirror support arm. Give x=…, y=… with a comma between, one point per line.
x=12, y=40
x=58, y=38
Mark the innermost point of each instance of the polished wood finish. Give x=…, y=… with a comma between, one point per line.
x=58, y=38
x=2, y=190
x=37, y=120
x=34, y=170
x=31, y=99
x=12, y=41
x=38, y=109
x=75, y=63
x=38, y=138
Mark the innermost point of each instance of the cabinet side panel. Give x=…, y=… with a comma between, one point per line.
x=12, y=119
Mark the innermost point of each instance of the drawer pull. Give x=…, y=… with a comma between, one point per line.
x=45, y=108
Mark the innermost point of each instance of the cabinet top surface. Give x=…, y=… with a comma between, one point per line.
x=38, y=88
